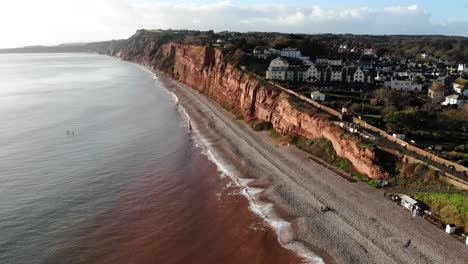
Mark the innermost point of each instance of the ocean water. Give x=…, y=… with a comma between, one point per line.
x=97, y=165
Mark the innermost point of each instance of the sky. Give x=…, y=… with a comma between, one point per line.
x=48, y=22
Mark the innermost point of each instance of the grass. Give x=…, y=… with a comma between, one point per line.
x=457, y=155
x=301, y=106
x=323, y=149
x=420, y=175
x=452, y=208
x=371, y=182
x=366, y=145
x=243, y=67
x=374, y=116
x=273, y=133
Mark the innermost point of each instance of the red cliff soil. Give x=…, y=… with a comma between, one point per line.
x=207, y=70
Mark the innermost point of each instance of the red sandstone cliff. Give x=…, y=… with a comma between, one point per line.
x=207, y=70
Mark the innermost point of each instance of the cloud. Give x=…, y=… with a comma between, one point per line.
x=27, y=22
x=227, y=15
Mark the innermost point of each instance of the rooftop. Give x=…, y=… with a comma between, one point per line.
x=461, y=81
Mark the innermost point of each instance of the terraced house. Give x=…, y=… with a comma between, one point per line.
x=324, y=70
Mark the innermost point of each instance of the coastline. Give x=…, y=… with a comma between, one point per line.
x=265, y=168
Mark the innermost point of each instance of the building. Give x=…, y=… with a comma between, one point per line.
x=404, y=84
x=359, y=75
x=450, y=229
x=460, y=86
x=409, y=203
x=462, y=68
x=291, y=53
x=277, y=69
x=399, y=136
x=312, y=74
x=334, y=73
x=283, y=69
x=455, y=99
x=437, y=92
x=317, y=96
x=336, y=62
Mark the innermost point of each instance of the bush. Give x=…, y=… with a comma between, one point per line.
x=274, y=133
x=301, y=105
x=371, y=182
x=260, y=125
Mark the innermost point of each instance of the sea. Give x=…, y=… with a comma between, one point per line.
x=98, y=165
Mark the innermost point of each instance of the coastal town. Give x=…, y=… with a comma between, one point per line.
x=369, y=86
x=446, y=83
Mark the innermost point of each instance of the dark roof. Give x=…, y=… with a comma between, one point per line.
x=292, y=61
x=401, y=78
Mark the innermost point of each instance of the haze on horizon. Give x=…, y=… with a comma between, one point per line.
x=48, y=22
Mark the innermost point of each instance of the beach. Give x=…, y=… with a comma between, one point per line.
x=287, y=189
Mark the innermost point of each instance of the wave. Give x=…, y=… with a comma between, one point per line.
x=265, y=210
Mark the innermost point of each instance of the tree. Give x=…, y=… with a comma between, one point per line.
x=405, y=121
x=418, y=79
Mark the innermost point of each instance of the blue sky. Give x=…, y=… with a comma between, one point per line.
x=62, y=21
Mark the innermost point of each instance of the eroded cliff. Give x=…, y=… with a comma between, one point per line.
x=208, y=70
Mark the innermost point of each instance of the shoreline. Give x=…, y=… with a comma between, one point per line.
x=365, y=227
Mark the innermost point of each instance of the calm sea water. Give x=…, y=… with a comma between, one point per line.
x=126, y=184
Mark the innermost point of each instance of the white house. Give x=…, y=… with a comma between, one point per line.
x=460, y=86
x=312, y=74
x=337, y=62
x=455, y=99
x=399, y=136
x=291, y=53
x=405, y=84
x=462, y=68
x=409, y=203
x=281, y=69
x=450, y=229
x=277, y=69
x=336, y=73
x=321, y=61
x=359, y=75
x=317, y=96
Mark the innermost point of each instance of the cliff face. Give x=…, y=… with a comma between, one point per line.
x=205, y=69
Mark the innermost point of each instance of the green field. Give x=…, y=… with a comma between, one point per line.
x=452, y=208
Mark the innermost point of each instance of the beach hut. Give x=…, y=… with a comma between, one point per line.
x=409, y=203
x=450, y=229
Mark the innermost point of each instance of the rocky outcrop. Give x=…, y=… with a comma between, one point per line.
x=208, y=70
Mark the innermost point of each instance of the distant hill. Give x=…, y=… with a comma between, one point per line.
x=451, y=48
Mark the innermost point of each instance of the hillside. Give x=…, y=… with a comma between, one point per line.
x=451, y=48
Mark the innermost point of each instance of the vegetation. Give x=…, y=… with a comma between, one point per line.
x=260, y=125
x=366, y=145
x=323, y=149
x=233, y=109
x=273, y=133
x=301, y=105
x=419, y=176
x=452, y=208
x=371, y=182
